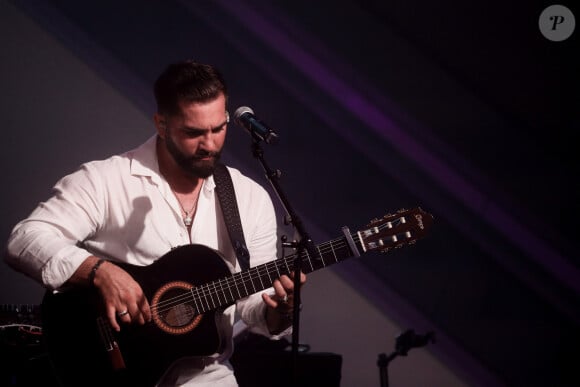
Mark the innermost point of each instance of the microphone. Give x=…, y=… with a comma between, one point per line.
x=244, y=116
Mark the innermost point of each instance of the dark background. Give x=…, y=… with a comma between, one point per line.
x=462, y=108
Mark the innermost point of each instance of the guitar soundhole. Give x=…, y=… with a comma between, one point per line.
x=179, y=315
x=173, y=309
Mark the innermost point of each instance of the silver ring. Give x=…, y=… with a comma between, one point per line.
x=285, y=299
x=121, y=314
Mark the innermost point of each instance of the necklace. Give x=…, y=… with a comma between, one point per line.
x=188, y=219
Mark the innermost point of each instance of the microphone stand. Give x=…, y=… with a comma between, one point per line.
x=303, y=245
x=403, y=344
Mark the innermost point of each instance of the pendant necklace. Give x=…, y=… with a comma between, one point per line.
x=188, y=219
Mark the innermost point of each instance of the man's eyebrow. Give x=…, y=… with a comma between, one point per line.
x=194, y=129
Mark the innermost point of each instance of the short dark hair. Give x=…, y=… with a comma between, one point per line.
x=187, y=81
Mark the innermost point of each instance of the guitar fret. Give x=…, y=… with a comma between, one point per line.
x=280, y=267
x=236, y=282
x=343, y=246
x=321, y=256
x=306, y=258
x=311, y=265
x=333, y=251
x=222, y=292
x=204, y=287
x=316, y=262
x=260, y=278
x=201, y=308
x=345, y=251
x=210, y=295
x=244, y=283
x=193, y=291
x=249, y=275
x=239, y=282
x=229, y=287
x=268, y=272
x=252, y=273
x=265, y=280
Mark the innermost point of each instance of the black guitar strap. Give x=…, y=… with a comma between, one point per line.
x=227, y=198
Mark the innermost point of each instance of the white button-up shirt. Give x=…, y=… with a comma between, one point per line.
x=122, y=209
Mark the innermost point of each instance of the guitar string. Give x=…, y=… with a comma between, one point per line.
x=206, y=290
x=205, y=293
x=240, y=278
x=237, y=286
x=223, y=286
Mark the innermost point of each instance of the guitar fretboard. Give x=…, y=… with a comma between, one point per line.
x=226, y=291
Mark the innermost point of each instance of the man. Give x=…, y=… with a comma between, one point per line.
x=137, y=206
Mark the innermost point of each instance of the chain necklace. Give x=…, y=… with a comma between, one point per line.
x=188, y=219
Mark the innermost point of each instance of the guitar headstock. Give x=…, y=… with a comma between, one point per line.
x=404, y=227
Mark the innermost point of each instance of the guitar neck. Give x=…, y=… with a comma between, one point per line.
x=392, y=231
x=226, y=291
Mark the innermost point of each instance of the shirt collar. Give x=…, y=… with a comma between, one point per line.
x=144, y=159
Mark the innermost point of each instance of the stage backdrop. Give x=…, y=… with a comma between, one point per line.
x=467, y=111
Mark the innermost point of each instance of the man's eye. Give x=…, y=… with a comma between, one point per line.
x=193, y=133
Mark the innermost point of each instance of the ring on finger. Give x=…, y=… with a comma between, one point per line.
x=123, y=313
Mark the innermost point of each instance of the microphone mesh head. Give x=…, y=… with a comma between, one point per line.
x=241, y=111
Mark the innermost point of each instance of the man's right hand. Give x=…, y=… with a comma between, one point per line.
x=122, y=295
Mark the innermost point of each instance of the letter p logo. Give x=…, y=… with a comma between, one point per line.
x=557, y=23
x=559, y=19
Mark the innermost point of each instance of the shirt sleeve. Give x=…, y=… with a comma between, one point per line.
x=46, y=245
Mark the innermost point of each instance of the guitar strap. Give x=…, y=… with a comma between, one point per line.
x=227, y=198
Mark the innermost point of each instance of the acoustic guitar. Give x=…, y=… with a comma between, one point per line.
x=186, y=289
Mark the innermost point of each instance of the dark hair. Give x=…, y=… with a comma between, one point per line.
x=187, y=81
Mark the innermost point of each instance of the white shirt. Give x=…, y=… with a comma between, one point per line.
x=122, y=209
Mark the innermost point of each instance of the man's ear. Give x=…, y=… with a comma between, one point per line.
x=160, y=124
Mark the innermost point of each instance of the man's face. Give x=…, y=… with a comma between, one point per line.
x=195, y=136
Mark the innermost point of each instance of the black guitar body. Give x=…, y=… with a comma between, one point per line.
x=76, y=345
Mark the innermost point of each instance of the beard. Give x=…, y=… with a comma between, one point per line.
x=193, y=165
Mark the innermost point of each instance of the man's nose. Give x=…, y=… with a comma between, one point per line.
x=207, y=141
